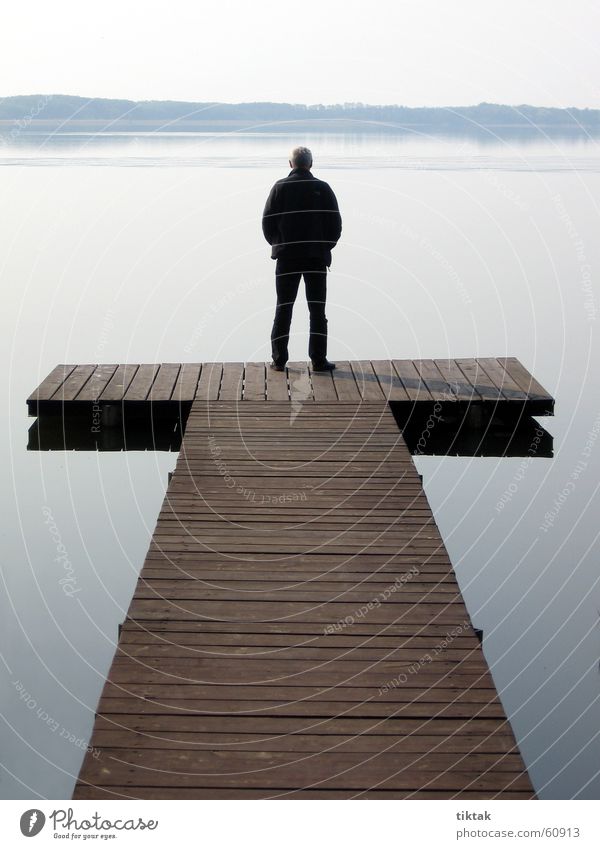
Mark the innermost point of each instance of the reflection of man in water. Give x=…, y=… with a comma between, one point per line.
x=302, y=223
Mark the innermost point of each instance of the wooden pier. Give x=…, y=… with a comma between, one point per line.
x=297, y=630
x=498, y=382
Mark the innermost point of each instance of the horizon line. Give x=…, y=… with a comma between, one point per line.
x=346, y=103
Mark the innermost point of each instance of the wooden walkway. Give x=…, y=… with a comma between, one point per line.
x=297, y=630
x=487, y=381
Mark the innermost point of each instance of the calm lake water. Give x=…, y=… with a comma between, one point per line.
x=149, y=248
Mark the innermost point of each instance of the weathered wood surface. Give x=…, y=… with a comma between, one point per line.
x=501, y=381
x=297, y=630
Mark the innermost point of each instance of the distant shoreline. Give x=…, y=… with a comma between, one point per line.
x=52, y=112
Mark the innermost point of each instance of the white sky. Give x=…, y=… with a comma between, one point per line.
x=422, y=52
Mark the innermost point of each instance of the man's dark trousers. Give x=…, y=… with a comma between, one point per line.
x=288, y=272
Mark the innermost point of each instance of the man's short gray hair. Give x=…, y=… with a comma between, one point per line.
x=301, y=157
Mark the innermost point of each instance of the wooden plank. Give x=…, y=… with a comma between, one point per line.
x=187, y=382
x=268, y=414
x=325, y=614
x=277, y=385
x=51, y=383
x=374, y=537
x=117, y=386
x=268, y=669
x=257, y=682
x=366, y=380
x=206, y=638
x=93, y=388
x=74, y=383
x=535, y=391
x=232, y=382
x=302, y=707
x=164, y=383
x=139, y=388
x=323, y=386
x=366, y=743
x=334, y=519
x=341, y=656
x=255, y=386
x=460, y=385
x=217, y=726
x=339, y=565
x=398, y=499
x=329, y=518
x=433, y=379
x=391, y=385
x=507, y=388
x=209, y=382
x=479, y=380
x=345, y=382
x=339, y=581
x=349, y=529
x=415, y=388
x=195, y=591
x=365, y=453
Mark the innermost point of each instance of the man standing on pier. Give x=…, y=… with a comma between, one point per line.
x=302, y=223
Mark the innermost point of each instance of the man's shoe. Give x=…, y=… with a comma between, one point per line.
x=324, y=366
x=276, y=367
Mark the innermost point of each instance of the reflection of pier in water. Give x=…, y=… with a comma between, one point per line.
x=425, y=432
x=232, y=678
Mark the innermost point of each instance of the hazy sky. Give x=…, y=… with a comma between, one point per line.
x=422, y=52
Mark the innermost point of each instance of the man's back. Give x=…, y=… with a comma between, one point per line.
x=301, y=221
x=301, y=217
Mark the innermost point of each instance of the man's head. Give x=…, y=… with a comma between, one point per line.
x=301, y=157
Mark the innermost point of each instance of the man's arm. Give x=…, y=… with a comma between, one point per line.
x=270, y=218
x=334, y=219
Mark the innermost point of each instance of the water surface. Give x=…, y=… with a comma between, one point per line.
x=149, y=249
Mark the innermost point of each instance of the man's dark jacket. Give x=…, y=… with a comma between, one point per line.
x=301, y=217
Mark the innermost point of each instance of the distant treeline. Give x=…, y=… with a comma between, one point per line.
x=171, y=114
